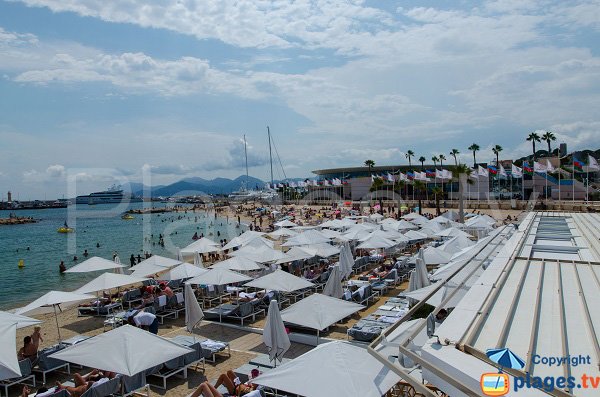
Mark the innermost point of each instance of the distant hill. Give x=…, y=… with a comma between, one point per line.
x=580, y=154
x=196, y=185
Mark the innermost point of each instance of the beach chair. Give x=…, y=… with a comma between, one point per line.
x=26, y=376
x=176, y=304
x=136, y=384
x=46, y=364
x=162, y=309
x=131, y=297
x=246, y=310
x=105, y=389
x=220, y=312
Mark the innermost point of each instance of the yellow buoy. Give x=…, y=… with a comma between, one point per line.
x=21, y=263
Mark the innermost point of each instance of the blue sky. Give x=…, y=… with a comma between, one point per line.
x=107, y=90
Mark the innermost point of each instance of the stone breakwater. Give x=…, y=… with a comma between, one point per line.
x=16, y=220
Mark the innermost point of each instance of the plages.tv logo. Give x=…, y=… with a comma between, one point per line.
x=498, y=384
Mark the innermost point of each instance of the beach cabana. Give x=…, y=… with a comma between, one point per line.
x=281, y=281
x=94, y=264
x=183, y=271
x=108, y=281
x=351, y=371
x=201, y=246
x=9, y=365
x=238, y=263
x=126, y=350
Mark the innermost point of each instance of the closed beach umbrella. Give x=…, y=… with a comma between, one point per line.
x=9, y=365
x=421, y=268
x=107, y=281
x=94, y=264
x=505, y=358
x=274, y=335
x=184, y=271
x=198, y=260
x=53, y=299
x=193, y=311
x=21, y=321
x=333, y=287
x=346, y=260
x=125, y=350
x=179, y=255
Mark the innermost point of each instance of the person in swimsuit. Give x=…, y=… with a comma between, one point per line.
x=28, y=350
x=83, y=383
x=233, y=384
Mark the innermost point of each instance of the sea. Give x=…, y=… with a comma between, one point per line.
x=101, y=231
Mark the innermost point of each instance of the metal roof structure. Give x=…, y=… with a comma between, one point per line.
x=538, y=297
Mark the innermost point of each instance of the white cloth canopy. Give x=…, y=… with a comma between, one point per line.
x=333, y=287
x=283, y=232
x=107, y=281
x=193, y=311
x=351, y=371
x=238, y=263
x=333, y=224
x=50, y=299
x=9, y=365
x=376, y=241
x=452, y=232
x=262, y=254
x=307, y=237
x=202, y=245
x=242, y=239
x=285, y=223
x=319, y=311
x=280, y=280
x=218, y=277
x=94, y=264
x=21, y=321
x=346, y=260
x=333, y=234
x=443, y=293
x=323, y=250
x=434, y=256
x=125, y=350
x=183, y=271
x=456, y=244
x=413, y=235
x=198, y=259
x=154, y=264
x=295, y=254
x=415, y=218
x=406, y=225
x=274, y=335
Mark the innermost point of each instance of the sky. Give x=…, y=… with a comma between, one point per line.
x=94, y=92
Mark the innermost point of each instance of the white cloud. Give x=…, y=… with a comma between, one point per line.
x=56, y=171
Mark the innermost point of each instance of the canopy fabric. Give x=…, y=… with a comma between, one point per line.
x=262, y=254
x=376, y=241
x=183, y=271
x=351, y=371
x=307, y=237
x=333, y=224
x=323, y=250
x=285, y=223
x=452, y=215
x=456, y=244
x=406, y=225
x=9, y=364
x=202, y=245
x=443, y=293
x=274, y=335
x=94, y=264
x=435, y=256
x=333, y=234
x=319, y=311
x=50, y=299
x=108, y=281
x=283, y=232
x=125, y=350
x=218, y=277
x=346, y=260
x=452, y=232
x=333, y=287
x=413, y=216
x=280, y=280
x=154, y=264
x=21, y=321
x=242, y=239
x=295, y=254
x=193, y=311
x=413, y=235
x=238, y=263
x=198, y=259
x=479, y=222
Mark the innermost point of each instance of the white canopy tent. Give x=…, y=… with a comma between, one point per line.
x=21, y=321
x=323, y=250
x=154, y=264
x=107, y=281
x=238, y=263
x=242, y=239
x=319, y=311
x=285, y=223
x=351, y=371
x=218, y=277
x=125, y=350
x=202, y=246
x=94, y=264
x=307, y=237
x=9, y=365
x=183, y=271
x=262, y=254
x=280, y=280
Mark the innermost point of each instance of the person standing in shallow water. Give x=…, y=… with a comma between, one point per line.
x=132, y=260
x=62, y=268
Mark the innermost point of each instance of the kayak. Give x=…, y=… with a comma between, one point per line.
x=65, y=230
x=127, y=217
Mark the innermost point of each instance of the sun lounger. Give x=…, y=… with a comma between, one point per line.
x=46, y=364
x=105, y=389
x=246, y=310
x=52, y=392
x=162, y=310
x=180, y=365
x=263, y=361
x=220, y=312
x=131, y=385
x=104, y=310
x=26, y=376
x=132, y=297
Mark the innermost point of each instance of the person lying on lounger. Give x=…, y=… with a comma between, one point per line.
x=83, y=383
x=234, y=385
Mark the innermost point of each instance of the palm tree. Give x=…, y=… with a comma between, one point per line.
x=438, y=192
x=462, y=172
x=419, y=186
x=533, y=138
x=497, y=149
x=377, y=183
x=548, y=136
x=435, y=159
x=474, y=148
x=409, y=155
x=422, y=160
x=370, y=164
x=442, y=158
x=454, y=153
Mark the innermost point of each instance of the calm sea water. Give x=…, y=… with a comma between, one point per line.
x=42, y=248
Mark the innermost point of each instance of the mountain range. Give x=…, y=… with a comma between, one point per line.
x=195, y=186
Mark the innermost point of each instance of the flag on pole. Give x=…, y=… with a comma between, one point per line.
x=549, y=167
x=593, y=163
x=447, y=174
x=410, y=175
x=390, y=177
x=492, y=170
x=502, y=171
x=516, y=172
x=474, y=174
x=483, y=172
x=577, y=165
x=429, y=174
x=527, y=169
x=539, y=167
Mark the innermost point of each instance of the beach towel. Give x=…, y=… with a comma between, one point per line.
x=162, y=300
x=179, y=297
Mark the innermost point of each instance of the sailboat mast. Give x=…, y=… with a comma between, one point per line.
x=246, y=153
x=270, y=154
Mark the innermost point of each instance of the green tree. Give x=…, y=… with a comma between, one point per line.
x=370, y=164
x=454, y=153
x=442, y=159
x=422, y=160
x=497, y=149
x=438, y=194
x=419, y=187
x=533, y=138
x=410, y=154
x=474, y=148
x=548, y=137
x=435, y=160
x=377, y=183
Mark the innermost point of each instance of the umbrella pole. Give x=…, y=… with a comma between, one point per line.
x=57, y=327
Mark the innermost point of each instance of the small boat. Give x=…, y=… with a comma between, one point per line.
x=127, y=217
x=64, y=229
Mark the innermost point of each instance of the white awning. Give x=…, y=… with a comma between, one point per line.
x=319, y=311
x=108, y=281
x=94, y=264
x=280, y=280
x=218, y=277
x=201, y=246
x=183, y=271
x=239, y=263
